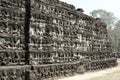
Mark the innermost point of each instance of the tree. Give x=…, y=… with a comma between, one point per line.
x=117, y=25
x=107, y=17
x=117, y=34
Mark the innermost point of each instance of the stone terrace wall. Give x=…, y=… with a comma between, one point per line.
x=12, y=14
x=41, y=39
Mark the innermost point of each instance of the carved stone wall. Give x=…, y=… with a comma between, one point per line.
x=13, y=72
x=41, y=39
x=12, y=15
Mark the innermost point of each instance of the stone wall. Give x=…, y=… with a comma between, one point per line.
x=12, y=15
x=41, y=39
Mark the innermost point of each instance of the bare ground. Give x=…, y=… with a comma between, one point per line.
x=107, y=74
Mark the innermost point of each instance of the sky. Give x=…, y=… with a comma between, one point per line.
x=90, y=5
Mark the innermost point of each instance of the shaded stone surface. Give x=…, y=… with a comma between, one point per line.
x=53, y=38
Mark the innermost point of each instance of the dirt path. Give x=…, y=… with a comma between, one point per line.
x=107, y=74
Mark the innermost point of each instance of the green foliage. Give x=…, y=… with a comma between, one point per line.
x=117, y=25
x=107, y=17
x=117, y=34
